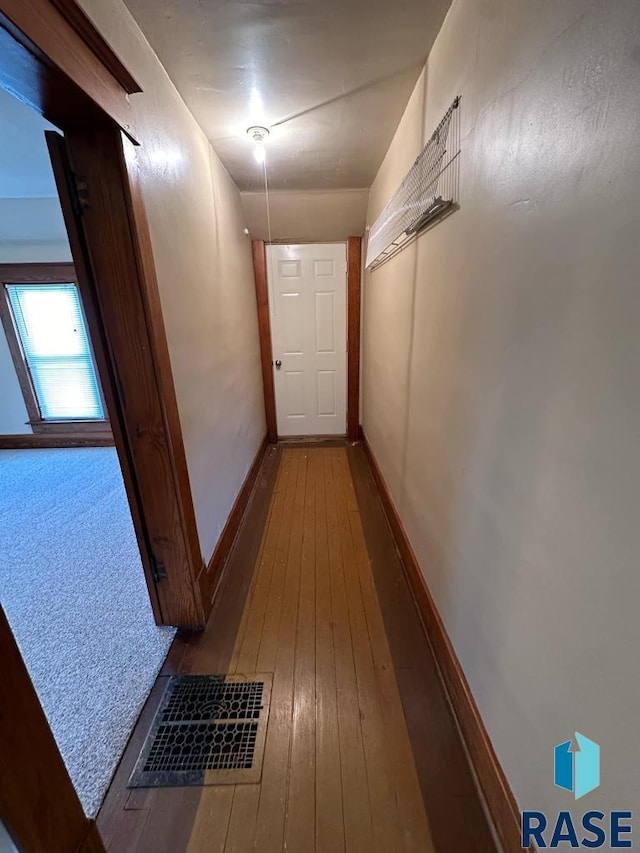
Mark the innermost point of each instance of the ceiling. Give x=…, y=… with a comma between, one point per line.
x=25, y=169
x=331, y=78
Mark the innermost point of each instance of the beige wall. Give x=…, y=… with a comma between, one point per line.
x=306, y=216
x=501, y=378
x=205, y=276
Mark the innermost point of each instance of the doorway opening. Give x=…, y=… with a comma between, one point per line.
x=308, y=314
x=53, y=59
x=72, y=582
x=309, y=310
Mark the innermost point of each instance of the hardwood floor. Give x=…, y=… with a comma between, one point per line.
x=361, y=750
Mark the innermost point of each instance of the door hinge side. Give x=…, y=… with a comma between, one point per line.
x=79, y=193
x=158, y=569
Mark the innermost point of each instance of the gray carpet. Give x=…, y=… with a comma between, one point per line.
x=72, y=586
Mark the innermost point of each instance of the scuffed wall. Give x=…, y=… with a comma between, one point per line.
x=205, y=277
x=501, y=358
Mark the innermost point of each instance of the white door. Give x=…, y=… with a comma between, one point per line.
x=308, y=311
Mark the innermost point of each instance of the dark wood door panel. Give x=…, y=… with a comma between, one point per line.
x=32, y=767
x=92, y=184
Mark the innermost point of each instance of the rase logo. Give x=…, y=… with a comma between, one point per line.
x=577, y=765
x=576, y=768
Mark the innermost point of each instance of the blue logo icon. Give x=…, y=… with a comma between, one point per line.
x=577, y=765
x=577, y=769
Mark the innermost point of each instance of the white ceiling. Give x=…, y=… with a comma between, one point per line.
x=333, y=76
x=25, y=169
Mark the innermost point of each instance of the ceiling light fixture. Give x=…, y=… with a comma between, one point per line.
x=259, y=135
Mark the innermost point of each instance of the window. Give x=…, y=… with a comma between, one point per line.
x=56, y=349
x=48, y=339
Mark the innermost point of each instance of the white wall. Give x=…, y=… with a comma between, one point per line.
x=501, y=378
x=13, y=412
x=205, y=276
x=313, y=216
x=31, y=231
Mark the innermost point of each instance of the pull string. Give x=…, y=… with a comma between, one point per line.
x=266, y=194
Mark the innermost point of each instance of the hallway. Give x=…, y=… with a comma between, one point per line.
x=359, y=286
x=360, y=741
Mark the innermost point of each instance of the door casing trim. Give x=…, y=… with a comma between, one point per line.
x=354, y=249
x=354, y=278
x=259, y=248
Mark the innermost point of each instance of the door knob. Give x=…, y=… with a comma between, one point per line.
x=278, y=364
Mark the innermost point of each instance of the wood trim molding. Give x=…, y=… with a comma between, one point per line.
x=264, y=329
x=38, y=802
x=105, y=363
x=73, y=429
x=38, y=273
x=354, y=260
x=84, y=27
x=498, y=795
x=153, y=310
x=39, y=441
x=104, y=242
x=213, y=572
x=57, y=33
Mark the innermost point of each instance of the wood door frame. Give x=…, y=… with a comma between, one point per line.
x=354, y=278
x=58, y=62
x=354, y=273
x=53, y=59
x=131, y=347
x=259, y=248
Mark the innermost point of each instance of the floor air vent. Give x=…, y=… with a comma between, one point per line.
x=209, y=730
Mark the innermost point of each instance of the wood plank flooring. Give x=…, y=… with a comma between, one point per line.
x=302, y=600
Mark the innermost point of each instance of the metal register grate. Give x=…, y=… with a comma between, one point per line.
x=209, y=730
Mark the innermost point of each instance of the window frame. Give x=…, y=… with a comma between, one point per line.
x=53, y=274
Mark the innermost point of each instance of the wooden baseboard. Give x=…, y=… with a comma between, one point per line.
x=35, y=441
x=211, y=574
x=493, y=782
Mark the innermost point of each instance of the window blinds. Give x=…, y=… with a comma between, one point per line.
x=56, y=348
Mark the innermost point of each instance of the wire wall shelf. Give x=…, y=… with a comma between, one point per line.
x=428, y=191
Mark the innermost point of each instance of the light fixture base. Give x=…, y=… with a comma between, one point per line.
x=258, y=133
